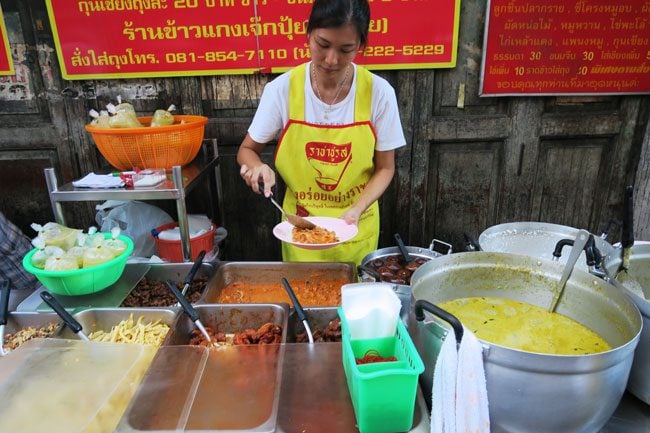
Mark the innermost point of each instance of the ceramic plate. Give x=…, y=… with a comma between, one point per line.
x=343, y=230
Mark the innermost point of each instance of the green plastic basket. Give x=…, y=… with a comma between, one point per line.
x=81, y=281
x=383, y=393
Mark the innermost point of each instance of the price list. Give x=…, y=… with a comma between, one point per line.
x=554, y=47
x=157, y=38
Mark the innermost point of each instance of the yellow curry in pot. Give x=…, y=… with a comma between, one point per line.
x=524, y=326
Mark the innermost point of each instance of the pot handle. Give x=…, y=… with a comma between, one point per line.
x=432, y=246
x=471, y=244
x=421, y=305
x=612, y=222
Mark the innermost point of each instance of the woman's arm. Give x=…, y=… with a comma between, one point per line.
x=384, y=171
x=253, y=170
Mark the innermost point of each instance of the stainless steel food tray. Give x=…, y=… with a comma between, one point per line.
x=271, y=272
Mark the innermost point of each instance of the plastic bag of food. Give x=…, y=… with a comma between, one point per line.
x=76, y=253
x=57, y=235
x=101, y=119
x=123, y=107
x=114, y=245
x=43, y=253
x=61, y=264
x=163, y=117
x=96, y=256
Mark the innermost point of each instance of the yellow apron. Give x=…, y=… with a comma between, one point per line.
x=326, y=167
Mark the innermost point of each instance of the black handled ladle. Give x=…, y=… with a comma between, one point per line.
x=70, y=321
x=402, y=248
x=189, y=310
x=299, y=311
x=5, y=288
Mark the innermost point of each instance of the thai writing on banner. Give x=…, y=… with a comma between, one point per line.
x=542, y=47
x=6, y=64
x=148, y=38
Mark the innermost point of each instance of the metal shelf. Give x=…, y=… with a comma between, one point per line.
x=180, y=181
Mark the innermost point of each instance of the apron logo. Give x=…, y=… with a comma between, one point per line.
x=330, y=161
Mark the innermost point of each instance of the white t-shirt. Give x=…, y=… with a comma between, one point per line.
x=273, y=112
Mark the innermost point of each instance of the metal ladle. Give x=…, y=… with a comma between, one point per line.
x=294, y=220
x=189, y=310
x=578, y=245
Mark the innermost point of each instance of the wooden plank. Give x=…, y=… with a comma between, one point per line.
x=642, y=192
x=464, y=182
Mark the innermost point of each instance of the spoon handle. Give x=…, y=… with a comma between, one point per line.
x=277, y=205
x=578, y=246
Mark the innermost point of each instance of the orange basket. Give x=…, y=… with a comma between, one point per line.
x=147, y=147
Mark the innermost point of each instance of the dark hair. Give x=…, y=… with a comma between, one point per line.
x=337, y=13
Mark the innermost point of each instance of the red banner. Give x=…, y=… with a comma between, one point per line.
x=149, y=38
x=566, y=47
x=6, y=64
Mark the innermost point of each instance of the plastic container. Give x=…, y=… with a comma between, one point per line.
x=149, y=147
x=71, y=386
x=383, y=393
x=150, y=178
x=371, y=309
x=85, y=280
x=171, y=250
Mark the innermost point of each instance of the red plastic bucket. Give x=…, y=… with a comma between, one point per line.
x=172, y=251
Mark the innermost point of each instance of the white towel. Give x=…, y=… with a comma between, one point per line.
x=459, y=394
x=92, y=180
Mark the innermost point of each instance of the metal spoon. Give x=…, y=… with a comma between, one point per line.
x=578, y=245
x=189, y=310
x=70, y=321
x=299, y=310
x=295, y=220
x=4, y=311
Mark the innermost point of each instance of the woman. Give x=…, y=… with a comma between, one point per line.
x=339, y=127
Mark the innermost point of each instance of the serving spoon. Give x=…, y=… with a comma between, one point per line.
x=578, y=245
x=294, y=220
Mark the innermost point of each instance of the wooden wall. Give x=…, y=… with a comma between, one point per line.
x=470, y=162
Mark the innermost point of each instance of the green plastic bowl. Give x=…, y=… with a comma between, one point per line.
x=82, y=281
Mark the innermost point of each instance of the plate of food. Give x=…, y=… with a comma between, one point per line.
x=328, y=233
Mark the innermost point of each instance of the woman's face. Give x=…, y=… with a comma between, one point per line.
x=333, y=49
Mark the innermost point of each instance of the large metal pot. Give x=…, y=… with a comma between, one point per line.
x=366, y=272
x=535, y=239
x=531, y=392
x=639, y=269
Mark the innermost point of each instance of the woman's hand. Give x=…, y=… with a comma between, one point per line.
x=260, y=175
x=352, y=215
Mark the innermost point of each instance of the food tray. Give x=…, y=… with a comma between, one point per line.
x=229, y=318
x=103, y=319
x=17, y=321
x=272, y=272
x=176, y=272
x=224, y=389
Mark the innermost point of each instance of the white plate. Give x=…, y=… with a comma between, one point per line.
x=343, y=230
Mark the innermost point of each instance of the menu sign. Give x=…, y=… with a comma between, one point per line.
x=559, y=47
x=157, y=38
x=6, y=65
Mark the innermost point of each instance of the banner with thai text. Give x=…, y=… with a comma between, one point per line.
x=159, y=38
x=556, y=47
x=6, y=64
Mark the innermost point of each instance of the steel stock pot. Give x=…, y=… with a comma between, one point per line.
x=639, y=269
x=531, y=392
x=535, y=239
